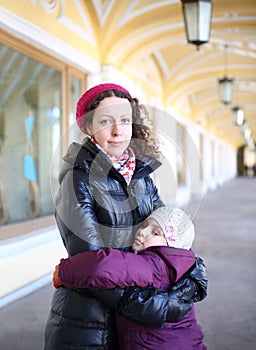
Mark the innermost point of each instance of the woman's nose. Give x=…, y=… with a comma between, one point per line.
x=116, y=129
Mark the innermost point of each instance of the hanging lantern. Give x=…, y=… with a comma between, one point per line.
x=238, y=116
x=244, y=127
x=251, y=144
x=226, y=89
x=197, y=17
x=247, y=134
x=226, y=84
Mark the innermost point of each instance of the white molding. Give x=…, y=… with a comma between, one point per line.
x=41, y=39
x=130, y=13
x=103, y=10
x=23, y=244
x=85, y=32
x=26, y=290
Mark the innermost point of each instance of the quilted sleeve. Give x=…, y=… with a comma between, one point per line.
x=108, y=268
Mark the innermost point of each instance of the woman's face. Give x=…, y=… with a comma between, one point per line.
x=112, y=125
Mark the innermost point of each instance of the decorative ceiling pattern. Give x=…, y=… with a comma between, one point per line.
x=146, y=38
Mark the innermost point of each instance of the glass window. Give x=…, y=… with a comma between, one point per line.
x=30, y=114
x=201, y=147
x=75, y=92
x=213, y=158
x=71, y=134
x=180, y=154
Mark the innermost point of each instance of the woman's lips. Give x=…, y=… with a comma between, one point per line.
x=115, y=143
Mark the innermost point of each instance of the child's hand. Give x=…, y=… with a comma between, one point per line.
x=55, y=279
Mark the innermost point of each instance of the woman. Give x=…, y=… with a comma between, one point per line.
x=105, y=193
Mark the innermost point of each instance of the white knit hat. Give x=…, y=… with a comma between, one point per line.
x=176, y=225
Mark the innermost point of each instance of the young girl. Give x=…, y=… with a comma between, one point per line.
x=162, y=256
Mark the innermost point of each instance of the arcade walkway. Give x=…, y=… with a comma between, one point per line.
x=225, y=238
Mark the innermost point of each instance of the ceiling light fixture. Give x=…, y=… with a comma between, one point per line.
x=226, y=84
x=238, y=116
x=197, y=16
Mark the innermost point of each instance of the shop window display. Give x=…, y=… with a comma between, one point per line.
x=30, y=127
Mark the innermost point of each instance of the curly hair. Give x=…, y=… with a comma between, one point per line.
x=140, y=131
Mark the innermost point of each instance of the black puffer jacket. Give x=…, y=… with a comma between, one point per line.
x=94, y=208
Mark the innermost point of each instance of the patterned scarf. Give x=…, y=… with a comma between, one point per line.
x=124, y=164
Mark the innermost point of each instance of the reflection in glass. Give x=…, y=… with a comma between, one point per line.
x=30, y=105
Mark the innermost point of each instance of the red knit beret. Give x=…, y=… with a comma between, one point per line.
x=88, y=96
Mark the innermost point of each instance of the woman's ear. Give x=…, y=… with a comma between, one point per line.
x=88, y=123
x=88, y=128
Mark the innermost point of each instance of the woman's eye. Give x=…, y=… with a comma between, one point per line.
x=105, y=122
x=126, y=120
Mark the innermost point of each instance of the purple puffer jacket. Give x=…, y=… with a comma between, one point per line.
x=155, y=266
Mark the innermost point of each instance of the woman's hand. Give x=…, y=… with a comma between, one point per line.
x=191, y=288
x=185, y=288
x=193, y=285
x=198, y=275
x=180, y=302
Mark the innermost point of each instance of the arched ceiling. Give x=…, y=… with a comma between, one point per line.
x=147, y=39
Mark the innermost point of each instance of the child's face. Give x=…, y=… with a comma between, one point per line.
x=150, y=234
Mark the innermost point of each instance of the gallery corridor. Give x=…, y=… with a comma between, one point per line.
x=226, y=240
